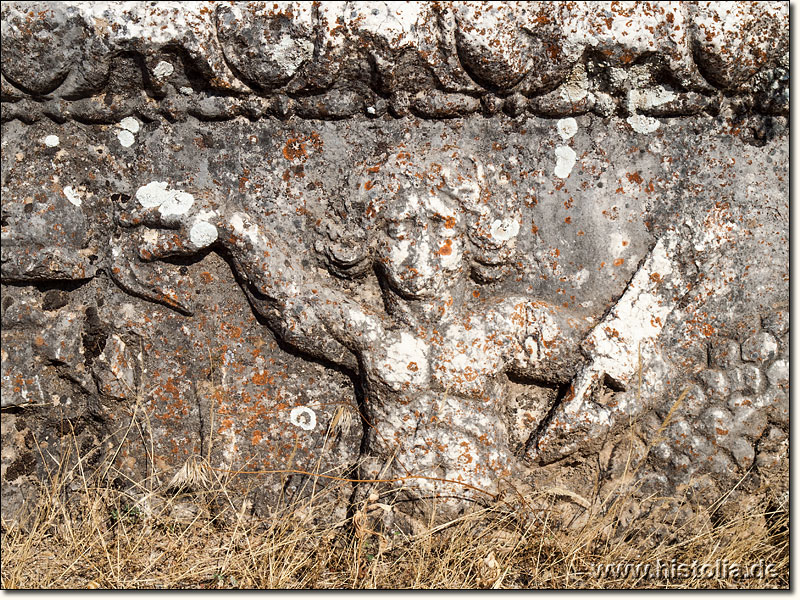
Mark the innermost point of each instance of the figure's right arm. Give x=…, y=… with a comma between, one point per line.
x=301, y=308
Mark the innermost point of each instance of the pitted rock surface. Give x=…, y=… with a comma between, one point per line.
x=459, y=246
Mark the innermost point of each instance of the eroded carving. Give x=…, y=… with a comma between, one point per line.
x=344, y=59
x=485, y=291
x=434, y=361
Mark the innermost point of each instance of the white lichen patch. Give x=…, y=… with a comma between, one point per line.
x=203, y=234
x=207, y=215
x=389, y=23
x=548, y=330
x=406, y=361
x=130, y=124
x=303, y=417
x=237, y=223
x=163, y=69
x=505, y=229
x=579, y=278
x=565, y=160
x=126, y=138
x=72, y=195
x=617, y=243
x=51, y=141
x=150, y=236
x=567, y=128
x=436, y=207
x=532, y=348
x=367, y=329
x=128, y=127
x=177, y=204
x=251, y=231
x=170, y=203
x=153, y=194
x=643, y=123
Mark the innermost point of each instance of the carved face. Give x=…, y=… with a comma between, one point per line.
x=432, y=217
x=422, y=246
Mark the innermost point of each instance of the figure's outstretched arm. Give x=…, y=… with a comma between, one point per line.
x=301, y=310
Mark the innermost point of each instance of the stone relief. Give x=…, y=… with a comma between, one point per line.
x=336, y=60
x=458, y=247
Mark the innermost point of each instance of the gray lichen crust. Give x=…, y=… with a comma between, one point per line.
x=459, y=246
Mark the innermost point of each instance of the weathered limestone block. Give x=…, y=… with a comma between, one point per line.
x=458, y=247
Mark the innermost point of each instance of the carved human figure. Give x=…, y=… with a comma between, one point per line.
x=431, y=366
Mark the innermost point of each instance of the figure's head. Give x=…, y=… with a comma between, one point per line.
x=419, y=225
x=428, y=218
x=422, y=246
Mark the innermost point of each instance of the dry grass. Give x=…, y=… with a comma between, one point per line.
x=193, y=532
